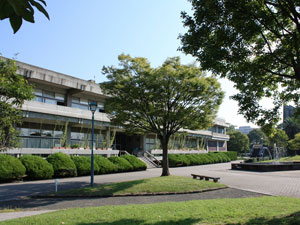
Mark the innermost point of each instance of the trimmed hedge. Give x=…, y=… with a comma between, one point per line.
x=232, y=155
x=122, y=164
x=105, y=166
x=176, y=160
x=11, y=168
x=135, y=162
x=37, y=168
x=83, y=165
x=63, y=165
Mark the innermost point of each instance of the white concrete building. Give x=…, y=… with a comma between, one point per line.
x=58, y=119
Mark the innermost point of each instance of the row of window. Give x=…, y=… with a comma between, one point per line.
x=59, y=99
x=217, y=129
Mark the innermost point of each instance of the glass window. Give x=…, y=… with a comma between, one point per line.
x=38, y=99
x=77, y=135
x=35, y=132
x=60, y=96
x=24, y=131
x=75, y=100
x=84, y=101
x=47, y=133
x=58, y=133
x=48, y=94
x=34, y=142
x=38, y=92
x=46, y=143
x=50, y=101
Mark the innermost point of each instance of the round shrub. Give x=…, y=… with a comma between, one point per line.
x=122, y=164
x=83, y=165
x=203, y=159
x=174, y=160
x=63, y=165
x=193, y=159
x=105, y=166
x=224, y=157
x=135, y=162
x=232, y=155
x=214, y=157
x=11, y=168
x=37, y=168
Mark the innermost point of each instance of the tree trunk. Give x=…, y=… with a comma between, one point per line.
x=165, y=163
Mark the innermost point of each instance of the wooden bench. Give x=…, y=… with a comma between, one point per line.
x=215, y=179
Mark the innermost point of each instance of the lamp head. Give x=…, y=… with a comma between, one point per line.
x=93, y=106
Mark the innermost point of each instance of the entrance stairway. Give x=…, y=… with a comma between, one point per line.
x=150, y=160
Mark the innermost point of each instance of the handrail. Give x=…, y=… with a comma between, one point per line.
x=123, y=152
x=152, y=158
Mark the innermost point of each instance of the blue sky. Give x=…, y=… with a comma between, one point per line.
x=83, y=36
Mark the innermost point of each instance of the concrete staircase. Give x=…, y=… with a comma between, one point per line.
x=149, y=162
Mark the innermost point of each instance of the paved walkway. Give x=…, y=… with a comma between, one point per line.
x=241, y=183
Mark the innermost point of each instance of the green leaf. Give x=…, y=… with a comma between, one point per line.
x=15, y=22
x=40, y=7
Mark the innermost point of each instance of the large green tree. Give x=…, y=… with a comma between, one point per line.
x=254, y=43
x=291, y=126
x=14, y=90
x=18, y=10
x=278, y=137
x=238, y=142
x=160, y=100
x=257, y=136
x=294, y=144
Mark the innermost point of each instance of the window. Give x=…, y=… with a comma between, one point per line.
x=49, y=97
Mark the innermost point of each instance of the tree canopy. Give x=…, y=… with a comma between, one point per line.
x=291, y=126
x=294, y=144
x=257, y=136
x=160, y=100
x=14, y=90
x=253, y=43
x=18, y=10
x=238, y=142
x=279, y=137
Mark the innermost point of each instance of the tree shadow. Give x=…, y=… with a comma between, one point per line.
x=138, y=222
x=103, y=190
x=291, y=219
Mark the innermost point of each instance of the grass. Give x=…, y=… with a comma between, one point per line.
x=263, y=210
x=295, y=158
x=9, y=210
x=173, y=184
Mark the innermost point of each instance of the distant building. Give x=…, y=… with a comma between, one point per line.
x=245, y=129
x=288, y=111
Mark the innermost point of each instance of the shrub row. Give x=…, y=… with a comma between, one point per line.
x=60, y=165
x=176, y=160
x=232, y=155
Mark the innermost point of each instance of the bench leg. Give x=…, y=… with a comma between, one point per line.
x=215, y=180
x=194, y=177
x=201, y=178
x=206, y=178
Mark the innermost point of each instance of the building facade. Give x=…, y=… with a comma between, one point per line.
x=59, y=119
x=245, y=129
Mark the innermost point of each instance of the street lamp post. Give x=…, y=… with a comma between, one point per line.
x=93, y=107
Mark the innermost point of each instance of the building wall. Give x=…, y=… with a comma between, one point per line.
x=60, y=111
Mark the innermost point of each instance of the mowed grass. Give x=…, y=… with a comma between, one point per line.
x=295, y=158
x=262, y=210
x=170, y=184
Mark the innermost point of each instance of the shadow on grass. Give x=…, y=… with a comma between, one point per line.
x=101, y=190
x=292, y=219
x=133, y=221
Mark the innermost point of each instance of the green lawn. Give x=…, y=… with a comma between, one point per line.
x=263, y=210
x=295, y=158
x=9, y=210
x=155, y=185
